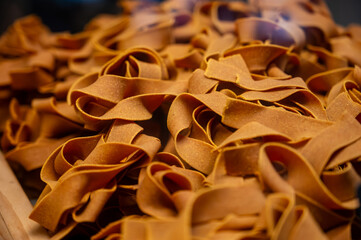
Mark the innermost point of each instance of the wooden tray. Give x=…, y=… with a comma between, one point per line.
x=15, y=208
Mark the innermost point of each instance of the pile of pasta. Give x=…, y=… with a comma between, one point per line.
x=189, y=120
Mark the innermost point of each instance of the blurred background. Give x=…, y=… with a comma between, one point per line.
x=58, y=15
x=72, y=15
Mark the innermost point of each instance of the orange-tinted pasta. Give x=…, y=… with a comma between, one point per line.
x=189, y=120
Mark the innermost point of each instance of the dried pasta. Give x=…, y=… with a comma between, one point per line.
x=189, y=120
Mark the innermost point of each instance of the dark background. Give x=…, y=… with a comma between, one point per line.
x=345, y=11
x=58, y=15
x=72, y=15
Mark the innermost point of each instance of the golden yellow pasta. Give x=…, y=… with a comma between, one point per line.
x=189, y=120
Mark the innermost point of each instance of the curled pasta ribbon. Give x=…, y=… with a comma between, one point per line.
x=137, y=62
x=183, y=56
x=280, y=33
x=192, y=133
x=347, y=137
x=351, y=55
x=314, y=17
x=331, y=60
x=238, y=162
x=37, y=131
x=239, y=113
x=100, y=160
x=26, y=35
x=315, y=190
x=29, y=73
x=275, y=216
x=324, y=81
x=131, y=30
x=305, y=100
x=131, y=81
x=170, y=185
x=220, y=15
x=66, y=47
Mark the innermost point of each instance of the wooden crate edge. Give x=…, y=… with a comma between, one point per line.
x=15, y=208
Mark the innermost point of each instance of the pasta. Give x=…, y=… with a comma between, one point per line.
x=189, y=120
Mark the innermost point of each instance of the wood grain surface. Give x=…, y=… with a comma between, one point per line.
x=15, y=208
